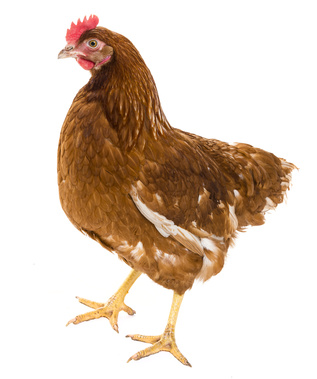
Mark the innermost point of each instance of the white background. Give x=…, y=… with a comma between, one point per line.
x=233, y=70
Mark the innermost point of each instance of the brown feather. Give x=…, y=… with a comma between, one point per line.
x=169, y=203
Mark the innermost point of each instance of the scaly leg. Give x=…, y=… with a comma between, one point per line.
x=111, y=309
x=166, y=341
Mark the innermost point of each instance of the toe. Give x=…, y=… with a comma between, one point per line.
x=85, y=317
x=114, y=322
x=146, y=339
x=145, y=353
x=178, y=355
x=127, y=309
x=89, y=303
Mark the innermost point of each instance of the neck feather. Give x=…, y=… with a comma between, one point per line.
x=130, y=99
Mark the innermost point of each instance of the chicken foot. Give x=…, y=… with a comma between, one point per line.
x=165, y=341
x=112, y=307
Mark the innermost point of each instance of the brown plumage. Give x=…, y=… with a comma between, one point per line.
x=169, y=203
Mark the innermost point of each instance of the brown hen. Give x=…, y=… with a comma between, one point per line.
x=169, y=203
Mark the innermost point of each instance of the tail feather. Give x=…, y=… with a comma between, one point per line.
x=285, y=183
x=264, y=183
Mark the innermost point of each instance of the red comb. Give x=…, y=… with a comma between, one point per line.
x=75, y=31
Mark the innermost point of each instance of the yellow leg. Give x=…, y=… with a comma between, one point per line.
x=166, y=341
x=111, y=309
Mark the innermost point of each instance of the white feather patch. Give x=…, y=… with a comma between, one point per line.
x=209, y=244
x=138, y=251
x=206, y=267
x=233, y=217
x=269, y=205
x=167, y=227
x=165, y=257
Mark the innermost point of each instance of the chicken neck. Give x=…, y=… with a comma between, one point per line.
x=130, y=100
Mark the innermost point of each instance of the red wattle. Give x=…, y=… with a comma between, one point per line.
x=87, y=65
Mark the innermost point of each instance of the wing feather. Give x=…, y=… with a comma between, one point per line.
x=167, y=227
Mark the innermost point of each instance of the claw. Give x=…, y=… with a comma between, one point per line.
x=109, y=310
x=134, y=357
x=71, y=321
x=164, y=342
x=115, y=327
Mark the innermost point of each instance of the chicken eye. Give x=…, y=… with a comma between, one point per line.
x=92, y=43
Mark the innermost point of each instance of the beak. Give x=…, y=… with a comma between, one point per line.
x=67, y=52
